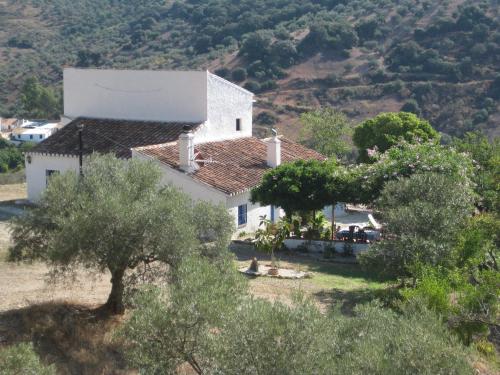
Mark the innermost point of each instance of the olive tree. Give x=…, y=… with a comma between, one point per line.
x=422, y=216
x=208, y=321
x=327, y=131
x=115, y=218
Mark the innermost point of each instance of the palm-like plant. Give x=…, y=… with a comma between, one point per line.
x=271, y=237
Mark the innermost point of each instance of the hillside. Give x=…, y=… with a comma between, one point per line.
x=439, y=59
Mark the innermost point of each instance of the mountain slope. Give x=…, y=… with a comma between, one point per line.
x=363, y=56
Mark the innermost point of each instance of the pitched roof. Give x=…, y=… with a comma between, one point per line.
x=110, y=136
x=231, y=166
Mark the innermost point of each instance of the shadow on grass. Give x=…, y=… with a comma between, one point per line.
x=346, y=300
x=74, y=338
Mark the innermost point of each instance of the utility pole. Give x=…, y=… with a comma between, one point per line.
x=80, y=148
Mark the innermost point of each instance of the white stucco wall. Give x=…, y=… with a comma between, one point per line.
x=136, y=94
x=254, y=212
x=196, y=190
x=226, y=103
x=200, y=191
x=36, y=178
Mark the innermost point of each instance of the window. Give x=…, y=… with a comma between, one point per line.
x=238, y=124
x=242, y=214
x=48, y=173
x=31, y=136
x=41, y=136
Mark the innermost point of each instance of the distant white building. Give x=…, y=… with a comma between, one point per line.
x=33, y=132
x=195, y=125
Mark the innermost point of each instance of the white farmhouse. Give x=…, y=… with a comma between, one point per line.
x=195, y=125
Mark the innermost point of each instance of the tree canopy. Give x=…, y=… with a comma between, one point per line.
x=327, y=131
x=115, y=218
x=208, y=320
x=38, y=101
x=407, y=159
x=422, y=215
x=486, y=155
x=388, y=129
x=295, y=186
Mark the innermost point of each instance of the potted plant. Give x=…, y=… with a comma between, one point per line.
x=271, y=238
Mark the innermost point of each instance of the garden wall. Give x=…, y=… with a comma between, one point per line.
x=319, y=246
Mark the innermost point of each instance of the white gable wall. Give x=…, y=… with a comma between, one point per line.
x=136, y=94
x=226, y=103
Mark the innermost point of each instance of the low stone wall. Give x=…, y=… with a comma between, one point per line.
x=319, y=246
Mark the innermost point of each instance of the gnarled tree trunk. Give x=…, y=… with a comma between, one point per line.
x=114, y=304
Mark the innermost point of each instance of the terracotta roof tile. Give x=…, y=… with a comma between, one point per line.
x=231, y=166
x=110, y=136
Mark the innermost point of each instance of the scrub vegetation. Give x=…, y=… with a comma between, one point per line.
x=435, y=59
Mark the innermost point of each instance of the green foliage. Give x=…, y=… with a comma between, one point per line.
x=11, y=157
x=422, y=215
x=433, y=290
x=266, y=118
x=170, y=327
x=38, y=101
x=412, y=107
x=468, y=302
x=486, y=154
x=494, y=89
x=117, y=218
x=407, y=159
x=295, y=186
x=378, y=341
x=21, y=359
x=239, y=74
x=271, y=237
x=327, y=131
x=478, y=245
x=388, y=129
x=210, y=322
x=336, y=36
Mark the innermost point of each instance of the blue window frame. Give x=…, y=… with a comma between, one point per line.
x=242, y=214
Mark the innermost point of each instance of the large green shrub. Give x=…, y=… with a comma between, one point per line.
x=209, y=322
x=422, y=215
x=388, y=129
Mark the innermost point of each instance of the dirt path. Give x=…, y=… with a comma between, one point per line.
x=22, y=285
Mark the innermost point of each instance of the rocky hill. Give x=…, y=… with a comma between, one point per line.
x=438, y=59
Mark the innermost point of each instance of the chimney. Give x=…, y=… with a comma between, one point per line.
x=186, y=150
x=273, y=150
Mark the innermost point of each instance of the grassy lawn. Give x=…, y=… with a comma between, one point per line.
x=340, y=285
